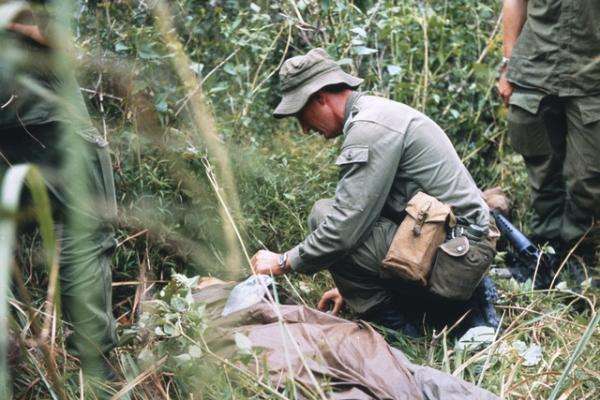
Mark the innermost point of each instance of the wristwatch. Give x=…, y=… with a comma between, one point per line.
x=283, y=262
x=503, y=64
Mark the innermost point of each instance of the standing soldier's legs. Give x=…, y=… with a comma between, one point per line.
x=85, y=232
x=87, y=246
x=539, y=138
x=582, y=172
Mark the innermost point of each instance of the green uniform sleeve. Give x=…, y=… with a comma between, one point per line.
x=368, y=163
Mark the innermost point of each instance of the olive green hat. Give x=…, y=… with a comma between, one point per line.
x=303, y=76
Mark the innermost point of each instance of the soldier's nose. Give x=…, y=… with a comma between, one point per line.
x=304, y=126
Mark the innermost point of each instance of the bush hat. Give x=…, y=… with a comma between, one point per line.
x=303, y=76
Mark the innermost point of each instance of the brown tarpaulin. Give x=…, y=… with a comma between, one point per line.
x=351, y=357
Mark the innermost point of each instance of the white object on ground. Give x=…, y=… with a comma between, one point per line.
x=532, y=355
x=562, y=286
x=475, y=338
x=247, y=293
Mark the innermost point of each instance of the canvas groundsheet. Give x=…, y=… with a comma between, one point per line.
x=350, y=360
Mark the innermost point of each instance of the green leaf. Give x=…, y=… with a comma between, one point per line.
x=363, y=51
x=359, y=31
x=197, y=68
x=243, y=343
x=182, y=358
x=120, y=46
x=195, y=351
x=147, y=52
x=393, y=69
x=230, y=69
x=179, y=304
x=171, y=330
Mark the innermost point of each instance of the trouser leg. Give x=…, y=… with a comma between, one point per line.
x=358, y=276
x=86, y=236
x=582, y=172
x=539, y=138
x=87, y=246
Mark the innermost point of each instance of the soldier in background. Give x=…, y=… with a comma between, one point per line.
x=550, y=80
x=34, y=130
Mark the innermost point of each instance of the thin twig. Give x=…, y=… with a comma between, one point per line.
x=569, y=255
x=204, y=78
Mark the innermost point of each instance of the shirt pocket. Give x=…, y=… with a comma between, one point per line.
x=351, y=192
x=353, y=154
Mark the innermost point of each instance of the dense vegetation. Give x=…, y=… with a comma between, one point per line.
x=437, y=56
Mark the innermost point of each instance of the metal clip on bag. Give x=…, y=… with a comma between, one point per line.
x=415, y=243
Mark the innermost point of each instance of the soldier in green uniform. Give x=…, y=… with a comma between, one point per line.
x=390, y=152
x=550, y=79
x=33, y=130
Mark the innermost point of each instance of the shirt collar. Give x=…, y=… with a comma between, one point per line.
x=349, y=104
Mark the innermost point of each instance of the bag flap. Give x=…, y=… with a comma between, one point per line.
x=353, y=154
x=457, y=247
x=423, y=204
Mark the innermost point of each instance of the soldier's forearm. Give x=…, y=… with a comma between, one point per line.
x=515, y=14
x=31, y=31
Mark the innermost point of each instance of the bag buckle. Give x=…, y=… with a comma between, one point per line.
x=421, y=218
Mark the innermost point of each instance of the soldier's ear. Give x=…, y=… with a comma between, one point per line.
x=319, y=98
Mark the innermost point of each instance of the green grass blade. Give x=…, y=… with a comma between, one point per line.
x=587, y=335
x=12, y=186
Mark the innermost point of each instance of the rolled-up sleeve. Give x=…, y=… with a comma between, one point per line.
x=368, y=163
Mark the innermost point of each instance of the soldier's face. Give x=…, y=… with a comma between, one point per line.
x=318, y=115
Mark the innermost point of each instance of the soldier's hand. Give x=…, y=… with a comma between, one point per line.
x=265, y=262
x=331, y=296
x=31, y=31
x=505, y=88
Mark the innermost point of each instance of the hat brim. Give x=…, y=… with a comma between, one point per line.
x=294, y=100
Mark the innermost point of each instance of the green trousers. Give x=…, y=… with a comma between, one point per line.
x=559, y=139
x=84, y=230
x=359, y=276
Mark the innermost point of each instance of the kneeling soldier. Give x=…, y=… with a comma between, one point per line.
x=408, y=232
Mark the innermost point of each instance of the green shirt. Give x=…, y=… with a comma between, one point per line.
x=29, y=88
x=558, y=50
x=20, y=105
x=390, y=152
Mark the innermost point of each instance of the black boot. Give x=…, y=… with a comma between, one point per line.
x=480, y=308
x=392, y=317
x=580, y=264
x=482, y=303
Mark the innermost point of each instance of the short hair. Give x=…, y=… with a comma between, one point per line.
x=336, y=88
